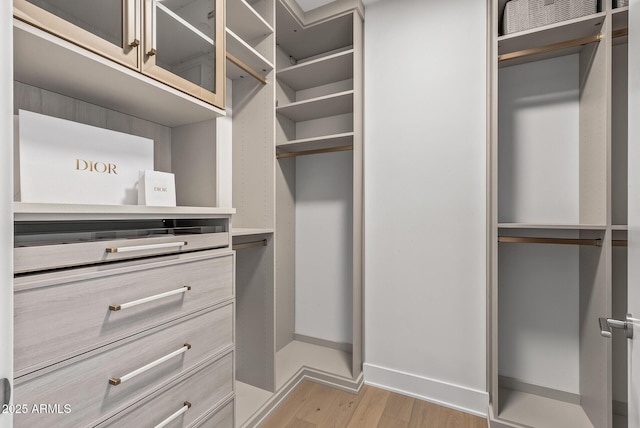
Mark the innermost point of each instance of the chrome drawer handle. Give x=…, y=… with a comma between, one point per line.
x=146, y=247
x=149, y=299
x=167, y=421
x=119, y=380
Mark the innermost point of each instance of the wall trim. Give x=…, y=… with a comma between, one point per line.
x=457, y=397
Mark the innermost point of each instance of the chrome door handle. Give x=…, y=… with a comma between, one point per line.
x=5, y=391
x=606, y=324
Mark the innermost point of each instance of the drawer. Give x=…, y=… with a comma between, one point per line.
x=202, y=390
x=223, y=418
x=59, y=315
x=41, y=257
x=89, y=387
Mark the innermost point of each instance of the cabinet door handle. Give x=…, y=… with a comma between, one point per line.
x=132, y=23
x=186, y=406
x=118, y=380
x=149, y=299
x=112, y=250
x=150, y=12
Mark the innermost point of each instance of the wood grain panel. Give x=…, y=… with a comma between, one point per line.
x=61, y=314
x=84, y=385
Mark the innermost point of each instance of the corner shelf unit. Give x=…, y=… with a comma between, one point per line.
x=316, y=87
x=557, y=259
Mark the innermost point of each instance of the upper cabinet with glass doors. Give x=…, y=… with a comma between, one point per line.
x=177, y=42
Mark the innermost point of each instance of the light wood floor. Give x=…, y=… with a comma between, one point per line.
x=312, y=405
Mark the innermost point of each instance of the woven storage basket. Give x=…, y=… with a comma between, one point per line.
x=622, y=3
x=521, y=15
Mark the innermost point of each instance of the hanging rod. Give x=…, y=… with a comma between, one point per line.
x=550, y=48
x=561, y=241
x=620, y=33
x=314, y=152
x=246, y=68
x=619, y=242
x=253, y=244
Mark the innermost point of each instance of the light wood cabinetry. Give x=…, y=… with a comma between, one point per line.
x=310, y=100
x=180, y=43
x=119, y=336
x=557, y=223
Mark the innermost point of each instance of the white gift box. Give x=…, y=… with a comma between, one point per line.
x=66, y=162
x=157, y=189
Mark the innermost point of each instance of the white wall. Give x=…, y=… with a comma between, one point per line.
x=425, y=199
x=324, y=231
x=6, y=199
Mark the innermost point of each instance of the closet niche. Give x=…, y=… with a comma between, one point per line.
x=558, y=223
x=297, y=189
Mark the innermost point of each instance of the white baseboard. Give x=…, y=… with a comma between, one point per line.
x=445, y=394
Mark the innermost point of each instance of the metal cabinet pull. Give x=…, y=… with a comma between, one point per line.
x=606, y=324
x=132, y=23
x=112, y=250
x=150, y=15
x=118, y=380
x=186, y=406
x=149, y=299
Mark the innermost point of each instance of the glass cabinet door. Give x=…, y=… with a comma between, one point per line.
x=184, y=46
x=111, y=28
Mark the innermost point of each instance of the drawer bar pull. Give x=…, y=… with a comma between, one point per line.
x=170, y=419
x=149, y=299
x=119, y=380
x=146, y=247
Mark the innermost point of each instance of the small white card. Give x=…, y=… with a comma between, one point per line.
x=66, y=162
x=157, y=189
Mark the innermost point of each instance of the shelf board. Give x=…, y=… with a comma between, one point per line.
x=245, y=53
x=622, y=227
x=550, y=34
x=316, y=143
x=26, y=211
x=620, y=18
x=536, y=411
x=245, y=22
x=551, y=226
x=248, y=400
x=81, y=74
x=245, y=231
x=316, y=108
x=318, y=72
x=298, y=354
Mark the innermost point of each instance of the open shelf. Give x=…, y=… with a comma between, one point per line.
x=537, y=411
x=248, y=400
x=550, y=34
x=245, y=22
x=620, y=18
x=305, y=42
x=549, y=226
x=77, y=73
x=26, y=211
x=248, y=55
x=244, y=231
x=321, y=71
x=316, y=143
x=315, y=108
x=296, y=355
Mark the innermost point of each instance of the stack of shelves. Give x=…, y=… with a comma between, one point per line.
x=316, y=89
x=557, y=225
x=247, y=34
